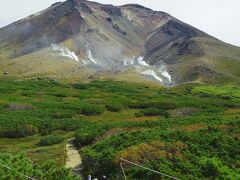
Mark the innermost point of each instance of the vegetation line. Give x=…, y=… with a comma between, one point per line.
x=148, y=169
x=17, y=172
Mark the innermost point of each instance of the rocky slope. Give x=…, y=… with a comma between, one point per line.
x=79, y=40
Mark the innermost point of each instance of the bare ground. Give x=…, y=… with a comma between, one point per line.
x=73, y=160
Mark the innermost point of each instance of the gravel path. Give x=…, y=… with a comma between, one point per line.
x=73, y=160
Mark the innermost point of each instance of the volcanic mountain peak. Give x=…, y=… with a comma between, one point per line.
x=81, y=40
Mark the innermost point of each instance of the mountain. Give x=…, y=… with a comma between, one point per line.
x=79, y=40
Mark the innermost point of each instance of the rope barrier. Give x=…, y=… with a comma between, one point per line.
x=125, y=177
x=157, y=172
x=121, y=165
x=17, y=172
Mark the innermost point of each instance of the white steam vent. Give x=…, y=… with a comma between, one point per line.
x=153, y=74
x=164, y=72
x=90, y=57
x=128, y=61
x=135, y=61
x=141, y=61
x=65, y=52
x=85, y=62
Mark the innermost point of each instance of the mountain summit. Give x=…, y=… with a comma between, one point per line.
x=79, y=40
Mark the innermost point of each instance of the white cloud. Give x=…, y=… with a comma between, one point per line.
x=216, y=17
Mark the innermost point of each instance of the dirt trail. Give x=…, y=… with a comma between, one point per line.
x=73, y=160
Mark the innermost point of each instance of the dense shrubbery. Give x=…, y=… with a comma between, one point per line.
x=23, y=165
x=18, y=130
x=164, y=105
x=81, y=86
x=152, y=112
x=115, y=107
x=213, y=168
x=87, y=133
x=190, y=160
x=90, y=110
x=209, y=136
x=50, y=140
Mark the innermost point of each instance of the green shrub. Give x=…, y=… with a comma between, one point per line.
x=153, y=112
x=23, y=165
x=87, y=133
x=165, y=105
x=3, y=104
x=51, y=140
x=139, y=114
x=213, y=168
x=114, y=107
x=81, y=86
x=18, y=130
x=60, y=94
x=90, y=109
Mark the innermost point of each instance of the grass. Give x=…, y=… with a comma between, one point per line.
x=30, y=147
x=221, y=91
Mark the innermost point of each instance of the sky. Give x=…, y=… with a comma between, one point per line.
x=219, y=18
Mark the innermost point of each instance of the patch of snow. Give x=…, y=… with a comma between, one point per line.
x=152, y=74
x=65, y=52
x=90, y=57
x=141, y=61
